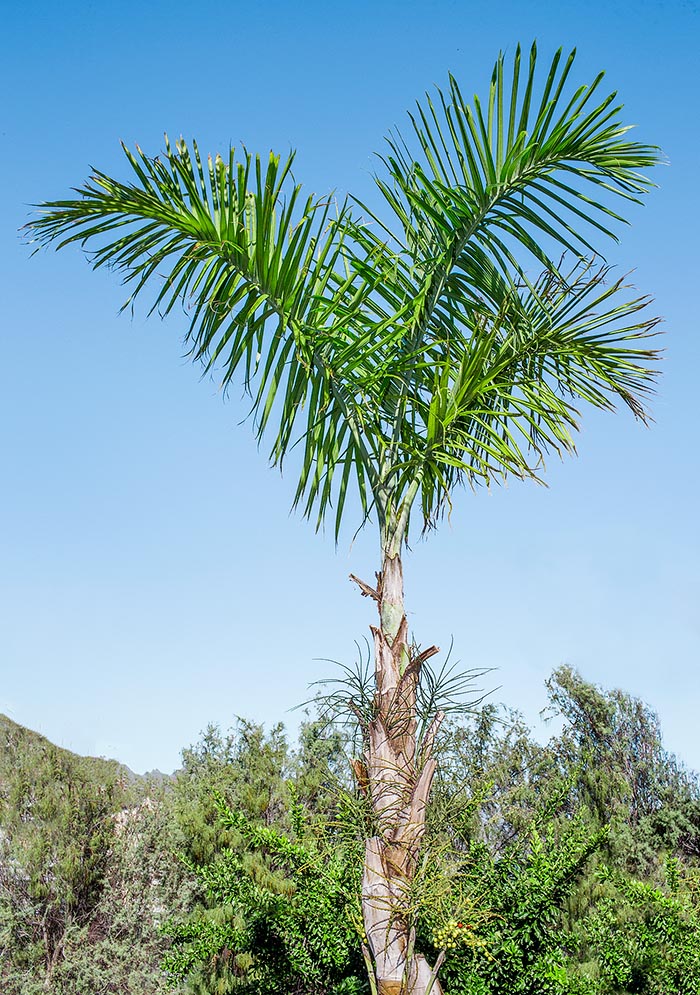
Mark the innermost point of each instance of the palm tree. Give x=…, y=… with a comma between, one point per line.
x=404, y=354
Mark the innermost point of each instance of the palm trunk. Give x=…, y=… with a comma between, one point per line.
x=398, y=784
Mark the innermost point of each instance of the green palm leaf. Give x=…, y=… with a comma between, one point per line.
x=407, y=353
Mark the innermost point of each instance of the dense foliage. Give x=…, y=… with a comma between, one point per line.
x=571, y=868
x=85, y=872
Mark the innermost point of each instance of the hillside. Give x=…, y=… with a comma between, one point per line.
x=14, y=736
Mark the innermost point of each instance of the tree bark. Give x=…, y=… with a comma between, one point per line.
x=397, y=781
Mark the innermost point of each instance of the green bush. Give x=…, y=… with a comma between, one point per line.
x=281, y=914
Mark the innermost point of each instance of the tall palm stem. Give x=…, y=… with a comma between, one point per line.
x=398, y=783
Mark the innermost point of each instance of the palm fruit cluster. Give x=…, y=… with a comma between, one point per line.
x=453, y=934
x=359, y=926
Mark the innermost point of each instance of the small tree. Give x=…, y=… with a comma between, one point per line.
x=408, y=353
x=57, y=832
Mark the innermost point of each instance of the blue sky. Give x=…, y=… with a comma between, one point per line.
x=151, y=577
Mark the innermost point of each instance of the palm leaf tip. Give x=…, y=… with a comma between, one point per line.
x=518, y=165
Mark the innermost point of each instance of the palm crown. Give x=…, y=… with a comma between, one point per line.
x=409, y=352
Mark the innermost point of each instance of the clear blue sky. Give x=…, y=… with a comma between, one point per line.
x=151, y=577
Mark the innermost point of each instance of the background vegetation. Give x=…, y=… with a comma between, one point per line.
x=570, y=867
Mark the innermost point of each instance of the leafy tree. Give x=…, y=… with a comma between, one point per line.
x=626, y=776
x=87, y=869
x=54, y=845
x=268, y=794
x=408, y=352
x=121, y=950
x=494, y=779
x=246, y=767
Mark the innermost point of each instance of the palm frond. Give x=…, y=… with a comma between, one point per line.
x=496, y=397
x=400, y=355
x=262, y=274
